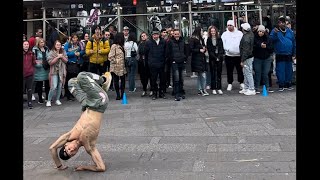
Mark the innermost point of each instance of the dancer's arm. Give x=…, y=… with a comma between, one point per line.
x=57, y=144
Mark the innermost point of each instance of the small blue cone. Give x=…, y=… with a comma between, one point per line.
x=264, y=91
x=124, y=99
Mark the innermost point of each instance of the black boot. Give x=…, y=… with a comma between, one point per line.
x=118, y=95
x=154, y=95
x=121, y=95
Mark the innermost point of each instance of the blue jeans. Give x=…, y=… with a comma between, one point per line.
x=261, y=68
x=247, y=74
x=132, y=73
x=56, y=85
x=201, y=82
x=284, y=73
x=177, y=78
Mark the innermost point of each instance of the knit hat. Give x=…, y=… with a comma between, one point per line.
x=230, y=22
x=261, y=28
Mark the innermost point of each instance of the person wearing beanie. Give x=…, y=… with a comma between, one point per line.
x=246, y=55
x=231, y=41
x=262, y=54
x=285, y=50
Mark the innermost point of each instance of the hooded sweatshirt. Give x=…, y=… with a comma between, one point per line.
x=231, y=42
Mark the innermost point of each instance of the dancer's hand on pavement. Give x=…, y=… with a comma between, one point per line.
x=63, y=167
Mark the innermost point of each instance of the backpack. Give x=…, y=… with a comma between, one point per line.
x=45, y=63
x=91, y=40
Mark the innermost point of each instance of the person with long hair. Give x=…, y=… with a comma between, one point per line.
x=215, y=50
x=29, y=61
x=57, y=59
x=75, y=50
x=41, y=74
x=143, y=67
x=117, y=64
x=198, y=61
x=130, y=46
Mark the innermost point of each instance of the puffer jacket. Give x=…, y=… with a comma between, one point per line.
x=96, y=57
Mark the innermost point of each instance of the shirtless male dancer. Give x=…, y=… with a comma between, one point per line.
x=94, y=100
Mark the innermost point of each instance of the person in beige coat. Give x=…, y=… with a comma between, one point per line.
x=117, y=64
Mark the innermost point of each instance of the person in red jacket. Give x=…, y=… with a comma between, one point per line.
x=32, y=39
x=29, y=62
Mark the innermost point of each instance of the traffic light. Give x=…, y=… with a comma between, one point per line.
x=134, y=2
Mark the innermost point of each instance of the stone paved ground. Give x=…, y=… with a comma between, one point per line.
x=218, y=137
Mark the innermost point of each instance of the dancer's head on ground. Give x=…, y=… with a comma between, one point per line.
x=68, y=150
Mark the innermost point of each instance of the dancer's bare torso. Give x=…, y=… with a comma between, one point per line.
x=87, y=128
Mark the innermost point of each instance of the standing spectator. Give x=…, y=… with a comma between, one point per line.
x=208, y=75
x=29, y=61
x=75, y=50
x=117, y=64
x=143, y=67
x=262, y=52
x=53, y=35
x=85, y=57
x=97, y=50
x=107, y=36
x=126, y=33
x=176, y=53
x=129, y=46
x=231, y=40
x=113, y=32
x=32, y=39
x=198, y=61
x=166, y=37
x=215, y=50
x=156, y=55
x=57, y=59
x=285, y=49
x=246, y=54
x=41, y=74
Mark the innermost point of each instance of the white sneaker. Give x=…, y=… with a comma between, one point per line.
x=214, y=92
x=220, y=92
x=33, y=98
x=250, y=92
x=241, y=86
x=106, y=85
x=48, y=104
x=229, y=88
x=208, y=87
x=58, y=102
x=243, y=91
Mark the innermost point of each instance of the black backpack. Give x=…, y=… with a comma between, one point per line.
x=91, y=40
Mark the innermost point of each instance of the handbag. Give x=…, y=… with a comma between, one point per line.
x=45, y=63
x=133, y=52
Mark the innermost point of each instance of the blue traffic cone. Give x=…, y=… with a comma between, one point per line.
x=264, y=91
x=124, y=99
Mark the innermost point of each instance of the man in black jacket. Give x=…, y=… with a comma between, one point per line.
x=176, y=53
x=156, y=55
